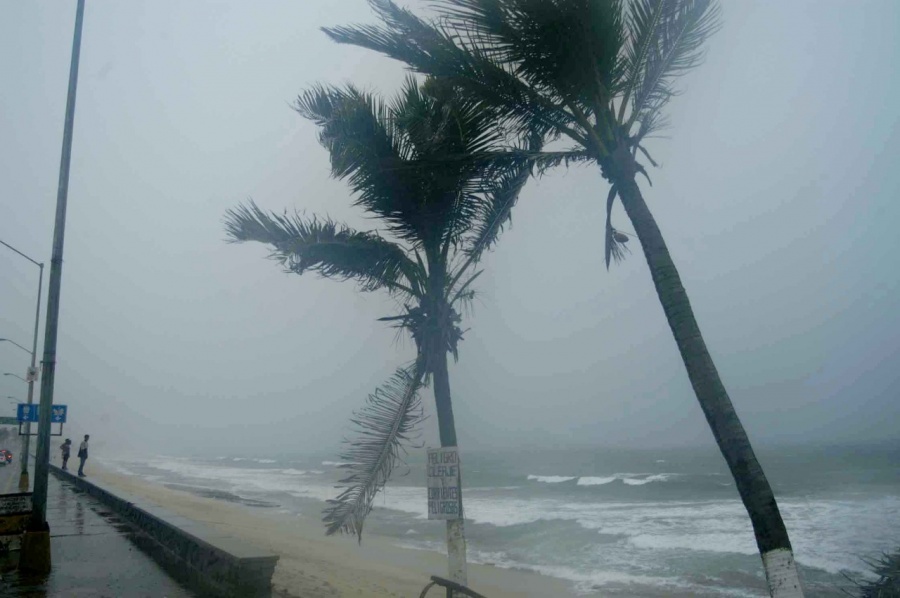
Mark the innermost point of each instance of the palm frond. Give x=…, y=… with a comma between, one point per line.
x=438, y=120
x=440, y=51
x=464, y=294
x=614, y=244
x=392, y=154
x=563, y=52
x=674, y=47
x=496, y=208
x=355, y=127
x=552, y=67
x=643, y=20
x=327, y=248
x=566, y=49
x=383, y=426
x=366, y=149
x=496, y=163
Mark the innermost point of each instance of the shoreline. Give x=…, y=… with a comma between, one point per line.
x=314, y=565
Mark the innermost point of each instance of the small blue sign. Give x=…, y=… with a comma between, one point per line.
x=29, y=413
x=58, y=414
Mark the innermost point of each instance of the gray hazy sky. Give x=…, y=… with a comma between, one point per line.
x=777, y=195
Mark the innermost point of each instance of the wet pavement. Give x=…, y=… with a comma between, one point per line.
x=94, y=554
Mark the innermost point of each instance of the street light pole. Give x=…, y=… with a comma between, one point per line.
x=16, y=376
x=37, y=556
x=23, y=476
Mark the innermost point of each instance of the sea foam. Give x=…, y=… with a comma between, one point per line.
x=551, y=479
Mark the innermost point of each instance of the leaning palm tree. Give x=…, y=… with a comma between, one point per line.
x=599, y=74
x=438, y=221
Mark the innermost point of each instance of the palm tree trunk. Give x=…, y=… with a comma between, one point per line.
x=759, y=500
x=456, y=537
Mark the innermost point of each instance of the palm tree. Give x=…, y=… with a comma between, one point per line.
x=438, y=221
x=599, y=74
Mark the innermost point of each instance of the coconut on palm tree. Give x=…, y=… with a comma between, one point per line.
x=437, y=222
x=598, y=74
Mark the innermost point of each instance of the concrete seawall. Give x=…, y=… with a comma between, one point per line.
x=222, y=565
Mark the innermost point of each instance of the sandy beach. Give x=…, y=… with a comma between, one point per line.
x=313, y=565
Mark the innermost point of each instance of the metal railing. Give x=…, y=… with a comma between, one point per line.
x=453, y=588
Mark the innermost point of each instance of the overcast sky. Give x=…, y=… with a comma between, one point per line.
x=777, y=194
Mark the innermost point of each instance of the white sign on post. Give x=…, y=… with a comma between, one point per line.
x=443, y=483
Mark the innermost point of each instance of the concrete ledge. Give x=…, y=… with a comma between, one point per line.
x=224, y=565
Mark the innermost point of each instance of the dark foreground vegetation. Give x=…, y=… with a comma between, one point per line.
x=887, y=568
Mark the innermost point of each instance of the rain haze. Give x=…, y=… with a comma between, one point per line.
x=776, y=194
x=218, y=389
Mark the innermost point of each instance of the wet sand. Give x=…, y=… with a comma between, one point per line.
x=313, y=565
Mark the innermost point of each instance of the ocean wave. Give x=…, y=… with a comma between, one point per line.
x=595, y=481
x=233, y=478
x=587, y=583
x=583, y=582
x=828, y=534
x=551, y=479
x=265, y=460
x=339, y=463
x=660, y=477
x=712, y=542
x=629, y=479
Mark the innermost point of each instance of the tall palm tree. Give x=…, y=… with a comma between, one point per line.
x=597, y=73
x=438, y=221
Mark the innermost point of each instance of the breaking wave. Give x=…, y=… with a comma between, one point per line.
x=629, y=479
x=551, y=479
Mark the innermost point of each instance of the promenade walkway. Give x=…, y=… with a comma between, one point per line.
x=94, y=553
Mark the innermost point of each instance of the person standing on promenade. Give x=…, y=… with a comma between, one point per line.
x=65, y=448
x=83, y=454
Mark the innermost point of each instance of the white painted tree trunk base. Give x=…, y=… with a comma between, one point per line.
x=456, y=551
x=781, y=574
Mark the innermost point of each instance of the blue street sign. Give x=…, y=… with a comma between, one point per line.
x=29, y=413
x=58, y=414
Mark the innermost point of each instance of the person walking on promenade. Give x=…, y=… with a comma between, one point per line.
x=65, y=447
x=83, y=454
